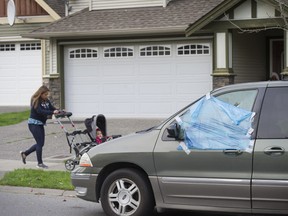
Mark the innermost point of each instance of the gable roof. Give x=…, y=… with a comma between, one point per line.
x=222, y=8
x=174, y=18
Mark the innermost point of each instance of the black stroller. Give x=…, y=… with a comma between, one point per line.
x=81, y=141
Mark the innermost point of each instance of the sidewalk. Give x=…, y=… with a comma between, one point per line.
x=10, y=165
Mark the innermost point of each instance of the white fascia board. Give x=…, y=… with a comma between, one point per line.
x=120, y=32
x=16, y=39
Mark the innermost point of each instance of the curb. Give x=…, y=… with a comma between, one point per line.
x=37, y=191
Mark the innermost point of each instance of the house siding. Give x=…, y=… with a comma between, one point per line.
x=46, y=63
x=77, y=5
x=53, y=56
x=244, y=11
x=104, y=4
x=249, y=57
x=17, y=30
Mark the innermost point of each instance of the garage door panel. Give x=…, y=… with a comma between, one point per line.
x=84, y=98
x=84, y=75
x=164, y=108
x=188, y=88
x=198, y=65
x=118, y=89
x=122, y=108
x=164, y=69
x=155, y=89
x=87, y=89
x=85, y=109
x=118, y=70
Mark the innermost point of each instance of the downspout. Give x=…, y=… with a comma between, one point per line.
x=67, y=8
x=90, y=5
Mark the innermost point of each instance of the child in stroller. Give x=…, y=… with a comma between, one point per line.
x=82, y=141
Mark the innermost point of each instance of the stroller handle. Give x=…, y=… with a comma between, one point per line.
x=63, y=114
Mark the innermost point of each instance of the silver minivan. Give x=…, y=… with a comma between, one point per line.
x=156, y=167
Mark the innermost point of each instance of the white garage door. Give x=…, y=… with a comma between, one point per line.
x=135, y=81
x=20, y=72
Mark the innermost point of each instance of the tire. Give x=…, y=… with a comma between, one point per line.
x=70, y=164
x=127, y=192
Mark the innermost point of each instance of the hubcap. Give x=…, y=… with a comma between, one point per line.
x=124, y=197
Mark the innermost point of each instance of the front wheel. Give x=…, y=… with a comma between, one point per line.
x=127, y=192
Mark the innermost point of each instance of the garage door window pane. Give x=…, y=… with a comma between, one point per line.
x=155, y=51
x=30, y=46
x=7, y=47
x=83, y=53
x=118, y=52
x=193, y=49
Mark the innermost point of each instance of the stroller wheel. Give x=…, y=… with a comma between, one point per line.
x=70, y=164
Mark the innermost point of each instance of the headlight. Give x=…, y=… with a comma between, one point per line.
x=85, y=161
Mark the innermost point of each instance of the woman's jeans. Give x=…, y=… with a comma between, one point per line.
x=38, y=133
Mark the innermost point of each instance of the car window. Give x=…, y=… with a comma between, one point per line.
x=273, y=122
x=242, y=99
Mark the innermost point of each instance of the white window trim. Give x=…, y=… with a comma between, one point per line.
x=28, y=46
x=10, y=46
x=149, y=56
x=117, y=47
x=83, y=48
x=196, y=54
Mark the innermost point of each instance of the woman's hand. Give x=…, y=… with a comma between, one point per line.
x=56, y=111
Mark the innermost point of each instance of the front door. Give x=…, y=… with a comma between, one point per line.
x=276, y=58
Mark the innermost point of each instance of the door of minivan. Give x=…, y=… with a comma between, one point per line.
x=214, y=178
x=270, y=172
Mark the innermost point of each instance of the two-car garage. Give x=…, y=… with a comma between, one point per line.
x=139, y=80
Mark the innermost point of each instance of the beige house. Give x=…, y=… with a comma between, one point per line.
x=150, y=58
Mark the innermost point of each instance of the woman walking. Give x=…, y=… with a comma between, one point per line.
x=41, y=108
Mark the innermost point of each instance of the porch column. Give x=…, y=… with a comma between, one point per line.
x=285, y=70
x=223, y=72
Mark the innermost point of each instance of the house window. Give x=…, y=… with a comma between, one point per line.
x=7, y=47
x=155, y=51
x=193, y=49
x=30, y=46
x=83, y=53
x=116, y=52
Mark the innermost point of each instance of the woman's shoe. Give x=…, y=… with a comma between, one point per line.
x=23, y=156
x=43, y=166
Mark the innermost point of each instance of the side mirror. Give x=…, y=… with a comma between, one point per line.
x=173, y=130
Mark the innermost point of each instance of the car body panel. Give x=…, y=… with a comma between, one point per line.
x=135, y=148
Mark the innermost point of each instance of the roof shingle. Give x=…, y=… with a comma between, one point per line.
x=58, y=6
x=177, y=14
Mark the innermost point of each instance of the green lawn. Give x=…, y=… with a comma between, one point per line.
x=38, y=179
x=13, y=117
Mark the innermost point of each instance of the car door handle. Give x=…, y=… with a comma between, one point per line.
x=276, y=151
x=234, y=152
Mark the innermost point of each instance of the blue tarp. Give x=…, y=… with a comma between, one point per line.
x=213, y=124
